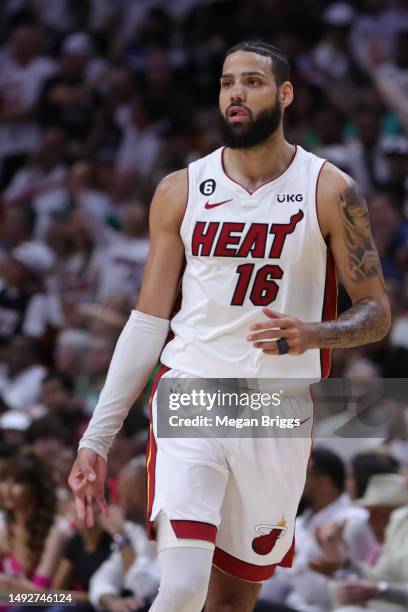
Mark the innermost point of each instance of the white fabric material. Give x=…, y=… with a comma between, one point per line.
x=185, y=574
x=142, y=577
x=166, y=538
x=220, y=301
x=137, y=352
x=246, y=487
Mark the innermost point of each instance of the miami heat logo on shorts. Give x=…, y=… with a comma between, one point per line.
x=268, y=536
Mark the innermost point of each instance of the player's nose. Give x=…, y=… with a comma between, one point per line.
x=237, y=93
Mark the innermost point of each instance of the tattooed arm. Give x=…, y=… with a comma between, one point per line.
x=345, y=224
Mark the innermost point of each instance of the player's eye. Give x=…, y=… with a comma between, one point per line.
x=254, y=82
x=226, y=84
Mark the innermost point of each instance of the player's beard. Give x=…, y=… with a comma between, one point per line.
x=254, y=132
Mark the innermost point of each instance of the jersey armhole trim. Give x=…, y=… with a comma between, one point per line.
x=189, y=201
x=323, y=241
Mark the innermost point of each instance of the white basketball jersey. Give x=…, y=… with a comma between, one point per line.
x=243, y=252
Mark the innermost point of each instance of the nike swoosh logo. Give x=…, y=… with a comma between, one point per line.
x=208, y=205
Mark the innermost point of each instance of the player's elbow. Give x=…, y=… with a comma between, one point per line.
x=384, y=316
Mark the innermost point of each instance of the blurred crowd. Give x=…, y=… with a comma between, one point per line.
x=99, y=99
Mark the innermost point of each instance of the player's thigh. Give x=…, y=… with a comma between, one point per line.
x=266, y=481
x=227, y=593
x=187, y=478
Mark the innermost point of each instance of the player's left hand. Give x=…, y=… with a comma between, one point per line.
x=277, y=325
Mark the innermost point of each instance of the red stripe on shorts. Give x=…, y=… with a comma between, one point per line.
x=151, y=452
x=249, y=571
x=194, y=530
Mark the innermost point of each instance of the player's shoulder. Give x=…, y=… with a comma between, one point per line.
x=174, y=185
x=333, y=182
x=169, y=200
x=335, y=190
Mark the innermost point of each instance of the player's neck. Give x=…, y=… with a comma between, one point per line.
x=255, y=166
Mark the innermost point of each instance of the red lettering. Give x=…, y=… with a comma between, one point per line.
x=281, y=230
x=203, y=239
x=226, y=240
x=254, y=241
x=264, y=289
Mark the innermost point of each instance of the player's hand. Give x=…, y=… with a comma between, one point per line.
x=87, y=481
x=264, y=335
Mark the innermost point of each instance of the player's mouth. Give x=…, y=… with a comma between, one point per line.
x=236, y=114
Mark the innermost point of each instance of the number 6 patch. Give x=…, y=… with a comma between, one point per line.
x=207, y=187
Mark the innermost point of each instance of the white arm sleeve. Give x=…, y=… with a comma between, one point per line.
x=136, y=353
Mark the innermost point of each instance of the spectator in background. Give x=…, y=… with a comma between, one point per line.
x=131, y=441
x=388, y=232
x=140, y=143
x=384, y=493
x=390, y=74
x=31, y=537
x=17, y=226
x=84, y=553
x=70, y=350
x=69, y=102
x=325, y=499
x=119, y=258
x=25, y=306
x=130, y=577
x=23, y=70
x=366, y=464
x=58, y=401
x=76, y=282
x=13, y=426
x=107, y=317
x=44, y=171
x=165, y=92
x=90, y=382
x=7, y=451
x=20, y=385
x=386, y=498
x=51, y=442
x=330, y=58
x=368, y=416
x=40, y=181
x=366, y=157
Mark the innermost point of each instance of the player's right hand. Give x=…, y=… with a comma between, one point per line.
x=87, y=481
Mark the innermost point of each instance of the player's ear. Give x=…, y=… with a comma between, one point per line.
x=285, y=94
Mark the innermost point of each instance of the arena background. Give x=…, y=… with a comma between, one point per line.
x=99, y=99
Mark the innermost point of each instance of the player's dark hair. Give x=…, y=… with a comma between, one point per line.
x=327, y=463
x=280, y=61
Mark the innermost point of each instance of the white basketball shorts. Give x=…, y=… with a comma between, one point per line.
x=240, y=494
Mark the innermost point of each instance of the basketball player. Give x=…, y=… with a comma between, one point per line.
x=262, y=225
